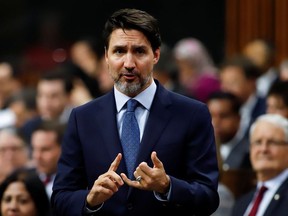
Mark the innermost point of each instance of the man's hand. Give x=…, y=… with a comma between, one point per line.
x=154, y=179
x=106, y=185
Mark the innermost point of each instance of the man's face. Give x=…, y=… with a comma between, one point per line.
x=233, y=80
x=275, y=104
x=130, y=61
x=46, y=151
x=224, y=120
x=51, y=98
x=268, y=150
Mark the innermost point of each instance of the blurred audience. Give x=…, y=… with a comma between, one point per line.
x=238, y=75
x=106, y=82
x=21, y=106
x=283, y=70
x=46, y=142
x=261, y=52
x=53, y=100
x=9, y=83
x=165, y=71
x=23, y=194
x=277, y=98
x=86, y=54
x=233, y=145
x=227, y=200
x=268, y=154
x=14, y=152
x=197, y=72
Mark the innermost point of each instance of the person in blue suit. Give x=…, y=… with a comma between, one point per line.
x=176, y=169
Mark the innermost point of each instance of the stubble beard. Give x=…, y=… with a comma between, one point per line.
x=131, y=88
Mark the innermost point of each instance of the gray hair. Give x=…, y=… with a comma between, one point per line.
x=275, y=119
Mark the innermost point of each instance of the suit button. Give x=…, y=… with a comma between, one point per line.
x=130, y=206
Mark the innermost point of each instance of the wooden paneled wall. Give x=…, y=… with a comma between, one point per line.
x=250, y=19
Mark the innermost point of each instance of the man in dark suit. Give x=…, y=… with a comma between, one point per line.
x=176, y=168
x=233, y=145
x=268, y=154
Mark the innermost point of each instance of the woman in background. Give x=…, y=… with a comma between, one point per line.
x=22, y=193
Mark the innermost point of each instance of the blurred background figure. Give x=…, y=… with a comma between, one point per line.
x=283, y=70
x=197, y=72
x=277, y=98
x=226, y=201
x=53, y=100
x=233, y=145
x=14, y=152
x=21, y=106
x=85, y=57
x=238, y=75
x=236, y=175
x=165, y=71
x=268, y=155
x=46, y=142
x=106, y=82
x=22, y=193
x=261, y=53
x=9, y=83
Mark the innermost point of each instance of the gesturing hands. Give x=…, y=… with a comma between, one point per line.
x=106, y=185
x=152, y=178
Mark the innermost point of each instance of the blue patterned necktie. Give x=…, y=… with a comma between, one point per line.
x=130, y=137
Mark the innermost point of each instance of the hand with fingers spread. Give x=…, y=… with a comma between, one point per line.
x=152, y=178
x=106, y=185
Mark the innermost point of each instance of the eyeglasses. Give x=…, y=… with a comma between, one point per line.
x=269, y=143
x=11, y=148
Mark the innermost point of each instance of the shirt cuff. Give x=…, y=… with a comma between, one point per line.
x=89, y=210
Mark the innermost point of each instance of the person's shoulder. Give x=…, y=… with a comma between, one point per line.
x=184, y=99
x=31, y=123
x=99, y=102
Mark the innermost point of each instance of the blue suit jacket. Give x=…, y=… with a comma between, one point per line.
x=277, y=206
x=179, y=129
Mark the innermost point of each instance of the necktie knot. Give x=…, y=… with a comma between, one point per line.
x=131, y=105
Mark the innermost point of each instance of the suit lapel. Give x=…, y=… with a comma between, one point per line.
x=109, y=129
x=157, y=120
x=282, y=191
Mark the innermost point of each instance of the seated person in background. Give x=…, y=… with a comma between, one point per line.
x=238, y=75
x=262, y=53
x=22, y=193
x=53, y=100
x=9, y=83
x=165, y=71
x=46, y=149
x=233, y=145
x=197, y=71
x=283, y=70
x=268, y=155
x=14, y=152
x=21, y=107
x=277, y=98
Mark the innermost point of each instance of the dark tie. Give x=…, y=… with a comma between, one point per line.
x=258, y=201
x=130, y=137
x=47, y=179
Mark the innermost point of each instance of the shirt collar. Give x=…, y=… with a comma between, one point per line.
x=145, y=97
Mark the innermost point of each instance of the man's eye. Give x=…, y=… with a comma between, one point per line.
x=140, y=51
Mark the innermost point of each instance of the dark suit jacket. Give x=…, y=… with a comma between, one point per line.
x=277, y=206
x=239, y=155
x=179, y=129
